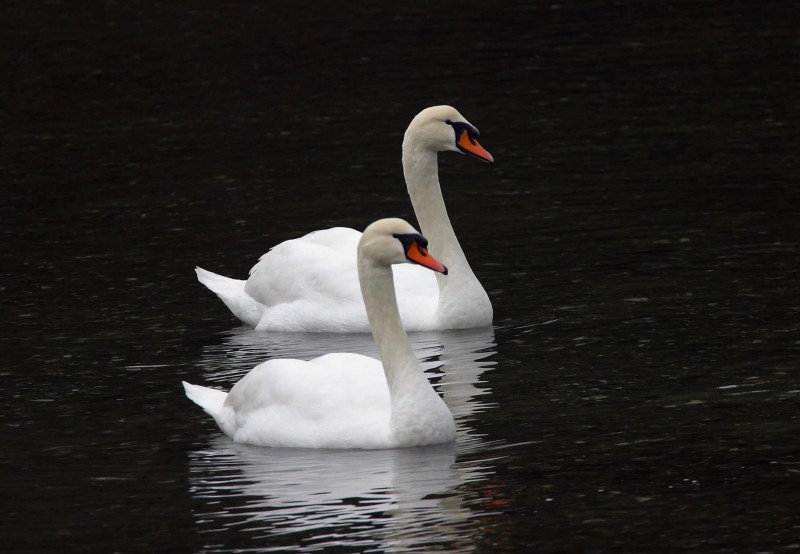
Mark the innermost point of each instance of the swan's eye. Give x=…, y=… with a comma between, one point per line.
x=448, y=121
x=411, y=239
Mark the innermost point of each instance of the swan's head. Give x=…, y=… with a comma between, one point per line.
x=442, y=128
x=395, y=241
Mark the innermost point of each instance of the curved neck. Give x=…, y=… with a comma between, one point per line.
x=421, y=171
x=403, y=371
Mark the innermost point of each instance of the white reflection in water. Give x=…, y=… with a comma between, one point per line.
x=387, y=499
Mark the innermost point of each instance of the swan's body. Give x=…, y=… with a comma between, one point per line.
x=320, y=292
x=310, y=284
x=344, y=400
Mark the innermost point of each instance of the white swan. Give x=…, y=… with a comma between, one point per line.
x=309, y=284
x=345, y=400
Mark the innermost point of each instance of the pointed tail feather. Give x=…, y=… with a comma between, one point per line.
x=231, y=292
x=211, y=400
x=219, y=283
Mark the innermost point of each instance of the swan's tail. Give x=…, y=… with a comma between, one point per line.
x=219, y=283
x=211, y=400
x=231, y=291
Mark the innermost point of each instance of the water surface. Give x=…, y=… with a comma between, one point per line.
x=638, y=237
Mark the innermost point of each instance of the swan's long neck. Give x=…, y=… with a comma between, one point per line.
x=460, y=292
x=418, y=415
x=403, y=372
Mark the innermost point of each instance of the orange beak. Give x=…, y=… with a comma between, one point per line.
x=419, y=255
x=471, y=146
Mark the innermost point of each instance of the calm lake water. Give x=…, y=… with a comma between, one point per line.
x=639, y=237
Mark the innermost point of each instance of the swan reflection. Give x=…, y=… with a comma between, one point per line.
x=391, y=499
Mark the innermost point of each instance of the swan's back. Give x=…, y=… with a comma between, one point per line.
x=294, y=267
x=334, y=401
x=304, y=281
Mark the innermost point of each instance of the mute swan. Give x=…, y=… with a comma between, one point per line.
x=345, y=400
x=309, y=284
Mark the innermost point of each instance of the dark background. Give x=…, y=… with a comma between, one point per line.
x=638, y=237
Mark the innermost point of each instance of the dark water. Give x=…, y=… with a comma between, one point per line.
x=638, y=237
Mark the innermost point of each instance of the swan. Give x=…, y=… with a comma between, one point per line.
x=309, y=284
x=345, y=400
